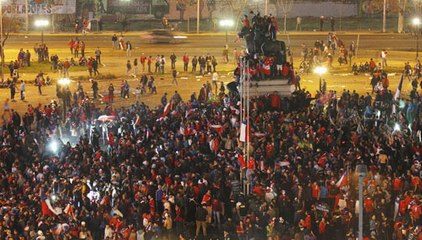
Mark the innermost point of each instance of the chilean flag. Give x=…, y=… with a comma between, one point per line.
x=343, y=180
x=244, y=132
x=167, y=109
x=266, y=69
x=253, y=71
x=57, y=230
x=182, y=130
x=46, y=207
x=138, y=120
x=217, y=128
x=69, y=211
x=399, y=87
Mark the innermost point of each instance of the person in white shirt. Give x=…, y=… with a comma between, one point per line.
x=383, y=58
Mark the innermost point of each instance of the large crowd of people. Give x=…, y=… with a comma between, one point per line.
x=72, y=169
x=175, y=171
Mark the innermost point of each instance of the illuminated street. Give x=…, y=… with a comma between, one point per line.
x=401, y=48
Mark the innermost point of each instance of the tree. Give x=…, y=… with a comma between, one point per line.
x=181, y=7
x=210, y=7
x=401, y=10
x=284, y=6
x=9, y=24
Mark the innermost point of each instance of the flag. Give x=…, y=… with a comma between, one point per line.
x=399, y=87
x=138, y=120
x=50, y=208
x=189, y=112
x=244, y=132
x=149, y=133
x=69, y=211
x=167, y=109
x=182, y=130
x=46, y=207
x=266, y=69
x=343, y=180
x=57, y=230
x=217, y=128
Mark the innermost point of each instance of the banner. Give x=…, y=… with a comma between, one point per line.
x=39, y=7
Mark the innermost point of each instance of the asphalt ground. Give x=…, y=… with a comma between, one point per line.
x=401, y=48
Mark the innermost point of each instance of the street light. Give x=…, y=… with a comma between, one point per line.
x=416, y=22
x=64, y=81
x=361, y=170
x=42, y=23
x=320, y=70
x=226, y=23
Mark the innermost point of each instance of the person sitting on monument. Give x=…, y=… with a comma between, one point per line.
x=245, y=29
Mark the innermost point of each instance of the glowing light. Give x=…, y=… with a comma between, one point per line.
x=396, y=127
x=41, y=23
x=53, y=146
x=416, y=21
x=226, y=23
x=54, y=197
x=320, y=70
x=63, y=81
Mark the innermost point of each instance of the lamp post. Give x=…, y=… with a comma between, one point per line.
x=361, y=170
x=41, y=23
x=416, y=22
x=320, y=71
x=226, y=24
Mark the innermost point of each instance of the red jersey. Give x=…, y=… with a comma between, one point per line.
x=142, y=60
x=186, y=59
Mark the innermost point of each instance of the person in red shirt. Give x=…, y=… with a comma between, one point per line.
x=372, y=65
x=217, y=210
x=269, y=150
x=149, y=61
x=143, y=59
x=308, y=222
x=76, y=49
x=246, y=23
x=70, y=44
x=240, y=230
x=397, y=184
x=368, y=205
x=415, y=212
x=245, y=29
x=185, y=62
x=275, y=101
x=315, y=191
x=322, y=228
x=416, y=183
